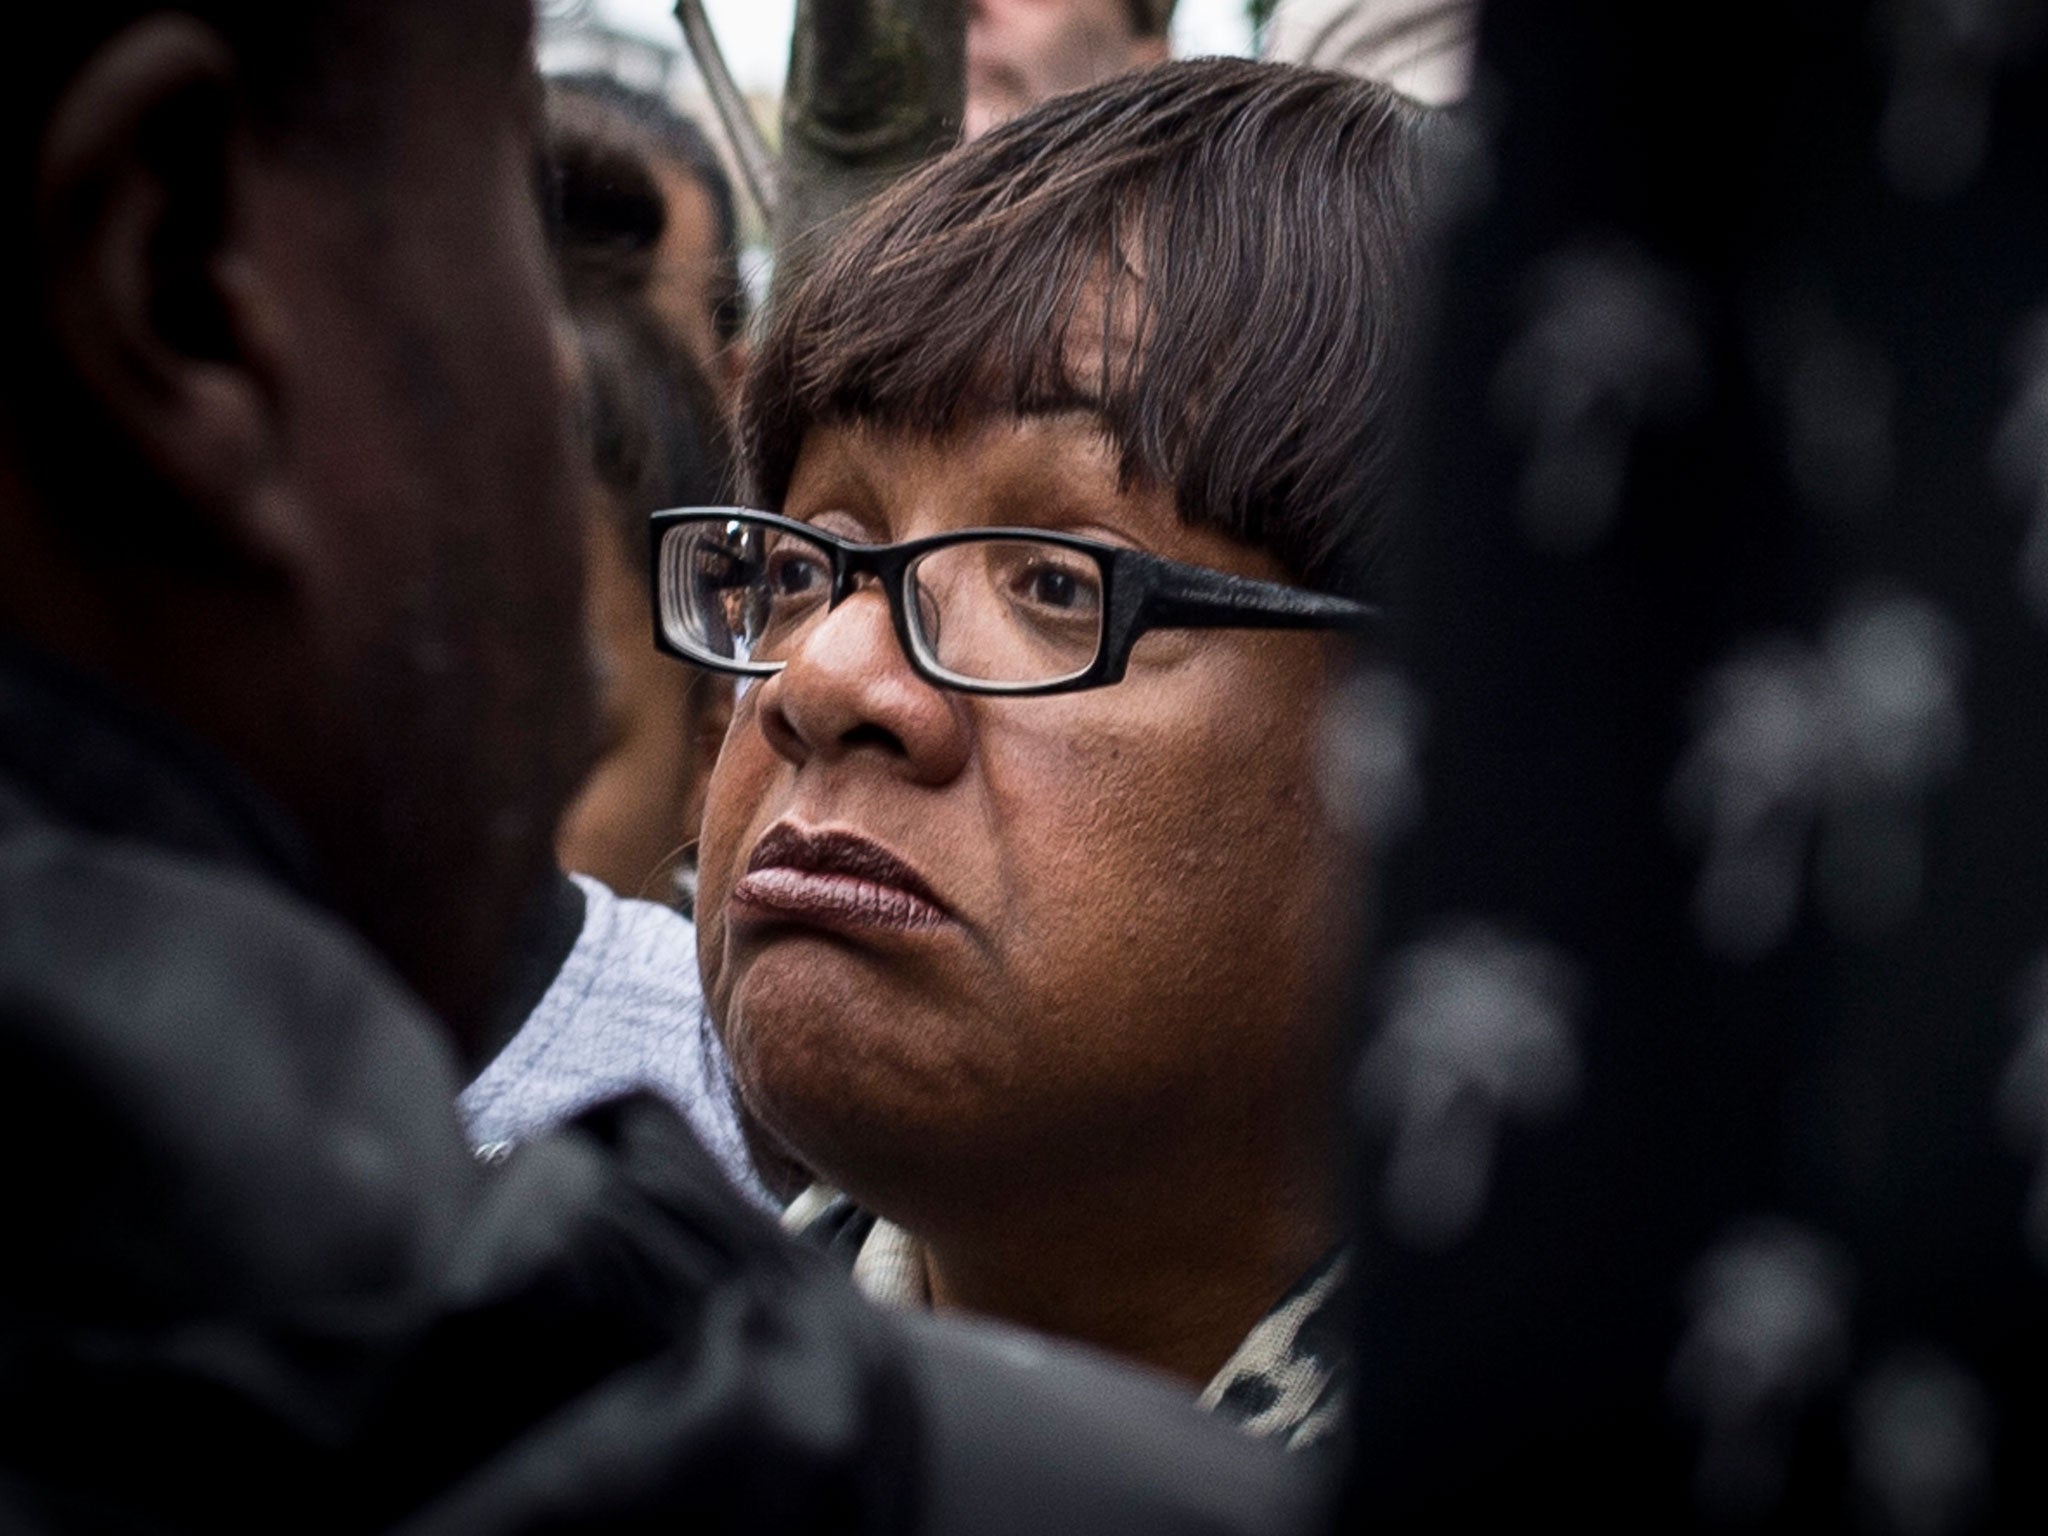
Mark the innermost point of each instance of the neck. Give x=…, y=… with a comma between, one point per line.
x=1172, y=1273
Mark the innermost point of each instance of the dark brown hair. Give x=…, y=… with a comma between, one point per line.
x=610, y=112
x=650, y=419
x=1214, y=256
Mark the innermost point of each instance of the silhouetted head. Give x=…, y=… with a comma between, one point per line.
x=282, y=453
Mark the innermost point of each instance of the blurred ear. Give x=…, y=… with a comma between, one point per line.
x=151, y=305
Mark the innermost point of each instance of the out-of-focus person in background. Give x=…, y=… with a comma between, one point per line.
x=1019, y=52
x=692, y=282
x=654, y=431
x=622, y=1010
x=1422, y=48
x=1042, y=984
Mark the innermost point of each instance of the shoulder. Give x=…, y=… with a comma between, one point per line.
x=191, y=1027
x=622, y=1010
x=624, y=1015
x=238, y=1157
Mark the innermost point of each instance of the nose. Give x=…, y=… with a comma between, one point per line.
x=848, y=689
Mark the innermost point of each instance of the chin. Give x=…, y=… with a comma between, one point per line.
x=871, y=1088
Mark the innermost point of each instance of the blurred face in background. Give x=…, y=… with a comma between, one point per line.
x=1021, y=51
x=633, y=824
x=686, y=286
x=638, y=250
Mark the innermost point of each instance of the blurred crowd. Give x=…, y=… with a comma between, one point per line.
x=621, y=904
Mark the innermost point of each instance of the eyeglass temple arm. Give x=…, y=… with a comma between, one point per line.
x=1182, y=597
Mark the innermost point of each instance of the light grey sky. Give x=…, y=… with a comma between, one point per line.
x=755, y=33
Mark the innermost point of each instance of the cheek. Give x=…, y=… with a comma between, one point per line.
x=1163, y=859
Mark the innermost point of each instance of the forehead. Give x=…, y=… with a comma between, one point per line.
x=1057, y=469
x=974, y=463
x=1044, y=12
x=691, y=226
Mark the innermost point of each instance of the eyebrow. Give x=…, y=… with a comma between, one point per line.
x=1062, y=404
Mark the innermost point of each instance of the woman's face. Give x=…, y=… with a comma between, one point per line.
x=956, y=944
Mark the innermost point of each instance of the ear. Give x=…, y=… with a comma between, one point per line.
x=162, y=318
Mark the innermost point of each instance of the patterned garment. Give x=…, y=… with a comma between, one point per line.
x=1287, y=1381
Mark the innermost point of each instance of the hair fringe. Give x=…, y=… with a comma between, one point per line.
x=1214, y=256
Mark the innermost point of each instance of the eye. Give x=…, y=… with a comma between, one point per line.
x=795, y=572
x=1055, y=589
x=1056, y=584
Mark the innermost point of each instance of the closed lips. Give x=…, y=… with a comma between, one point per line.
x=836, y=877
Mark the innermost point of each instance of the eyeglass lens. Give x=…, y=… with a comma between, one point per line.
x=1015, y=611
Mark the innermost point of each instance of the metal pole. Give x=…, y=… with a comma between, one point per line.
x=750, y=149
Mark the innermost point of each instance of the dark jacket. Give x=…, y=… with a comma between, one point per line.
x=253, y=1280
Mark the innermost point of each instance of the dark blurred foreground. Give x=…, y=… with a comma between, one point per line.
x=1706, y=1094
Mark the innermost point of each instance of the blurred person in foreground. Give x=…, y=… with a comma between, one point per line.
x=1020, y=906
x=1019, y=52
x=293, y=688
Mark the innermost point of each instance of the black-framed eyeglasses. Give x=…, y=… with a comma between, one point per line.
x=982, y=610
